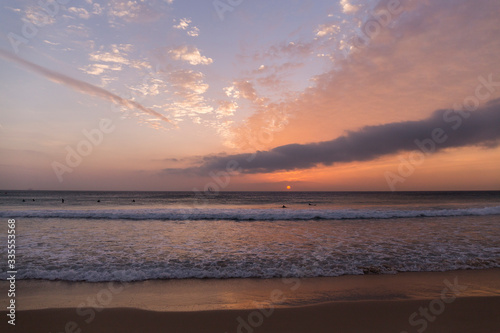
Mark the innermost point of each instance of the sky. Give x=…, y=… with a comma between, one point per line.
x=239, y=95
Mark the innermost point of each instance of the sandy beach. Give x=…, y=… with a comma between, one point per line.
x=465, y=315
x=456, y=301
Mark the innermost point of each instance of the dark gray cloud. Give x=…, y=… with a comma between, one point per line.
x=443, y=129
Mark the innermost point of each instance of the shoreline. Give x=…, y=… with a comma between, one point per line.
x=243, y=293
x=457, y=301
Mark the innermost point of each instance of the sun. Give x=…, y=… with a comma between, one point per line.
x=288, y=187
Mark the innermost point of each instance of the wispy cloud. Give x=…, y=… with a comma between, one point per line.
x=347, y=7
x=411, y=62
x=226, y=109
x=327, y=29
x=98, y=69
x=114, y=58
x=184, y=24
x=81, y=86
x=188, y=88
x=80, y=12
x=479, y=128
x=97, y=9
x=33, y=15
x=242, y=89
x=134, y=11
x=190, y=54
x=16, y=10
x=116, y=54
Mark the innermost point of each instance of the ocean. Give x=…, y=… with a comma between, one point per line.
x=137, y=236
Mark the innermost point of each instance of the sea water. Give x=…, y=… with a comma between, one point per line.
x=136, y=236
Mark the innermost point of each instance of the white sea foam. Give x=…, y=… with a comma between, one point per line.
x=248, y=214
x=144, y=244
x=256, y=270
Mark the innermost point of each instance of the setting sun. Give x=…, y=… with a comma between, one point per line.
x=288, y=187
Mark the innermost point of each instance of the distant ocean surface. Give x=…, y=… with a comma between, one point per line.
x=177, y=235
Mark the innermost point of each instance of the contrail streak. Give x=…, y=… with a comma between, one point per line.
x=81, y=86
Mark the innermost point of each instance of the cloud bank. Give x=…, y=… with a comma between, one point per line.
x=425, y=59
x=81, y=86
x=443, y=129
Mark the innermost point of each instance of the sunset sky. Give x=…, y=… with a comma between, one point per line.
x=250, y=95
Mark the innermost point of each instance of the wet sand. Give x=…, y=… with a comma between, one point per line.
x=457, y=301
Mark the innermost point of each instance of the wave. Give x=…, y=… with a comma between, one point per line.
x=248, y=214
x=254, y=270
